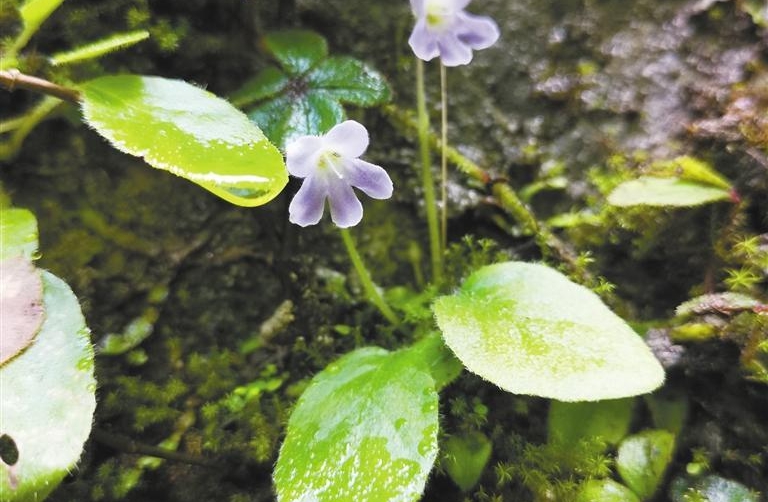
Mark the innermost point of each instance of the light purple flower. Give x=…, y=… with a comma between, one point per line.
x=330, y=167
x=444, y=29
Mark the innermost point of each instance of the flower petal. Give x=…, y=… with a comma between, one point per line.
x=423, y=42
x=458, y=4
x=479, y=32
x=370, y=178
x=346, y=210
x=453, y=52
x=417, y=6
x=301, y=155
x=307, y=205
x=348, y=139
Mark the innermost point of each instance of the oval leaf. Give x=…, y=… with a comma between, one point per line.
x=711, y=488
x=296, y=50
x=530, y=330
x=643, y=458
x=188, y=131
x=665, y=192
x=364, y=430
x=289, y=117
x=349, y=81
x=48, y=399
x=21, y=310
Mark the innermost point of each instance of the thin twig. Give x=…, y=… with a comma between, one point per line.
x=13, y=79
x=128, y=445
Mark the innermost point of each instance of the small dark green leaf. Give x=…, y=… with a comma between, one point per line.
x=643, y=459
x=296, y=50
x=188, y=131
x=364, y=430
x=267, y=84
x=308, y=100
x=349, y=81
x=48, y=399
x=285, y=118
x=665, y=192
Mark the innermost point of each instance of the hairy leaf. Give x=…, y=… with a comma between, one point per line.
x=530, y=330
x=48, y=399
x=364, y=430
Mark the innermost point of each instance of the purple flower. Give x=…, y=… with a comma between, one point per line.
x=330, y=167
x=444, y=29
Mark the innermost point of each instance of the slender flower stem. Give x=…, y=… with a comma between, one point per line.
x=365, y=278
x=426, y=175
x=443, y=157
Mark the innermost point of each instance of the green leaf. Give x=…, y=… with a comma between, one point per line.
x=569, y=423
x=349, y=81
x=18, y=233
x=643, y=459
x=466, y=458
x=308, y=100
x=605, y=490
x=365, y=430
x=716, y=303
x=692, y=169
x=98, y=49
x=267, y=84
x=21, y=310
x=48, y=399
x=665, y=192
x=188, y=131
x=285, y=119
x=711, y=488
x=530, y=330
x=669, y=412
x=35, y=12
x=296, y=50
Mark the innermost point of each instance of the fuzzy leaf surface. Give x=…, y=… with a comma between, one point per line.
x=530, y=330
x=48, y=399
x=365, y=430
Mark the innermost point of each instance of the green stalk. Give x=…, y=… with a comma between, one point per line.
x=443, y=156
x=426, y=175
x=365, y=278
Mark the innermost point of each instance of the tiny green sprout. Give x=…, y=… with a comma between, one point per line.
x=743, y=279
x=604, y=287
x=747, y=247
x=505, y=473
